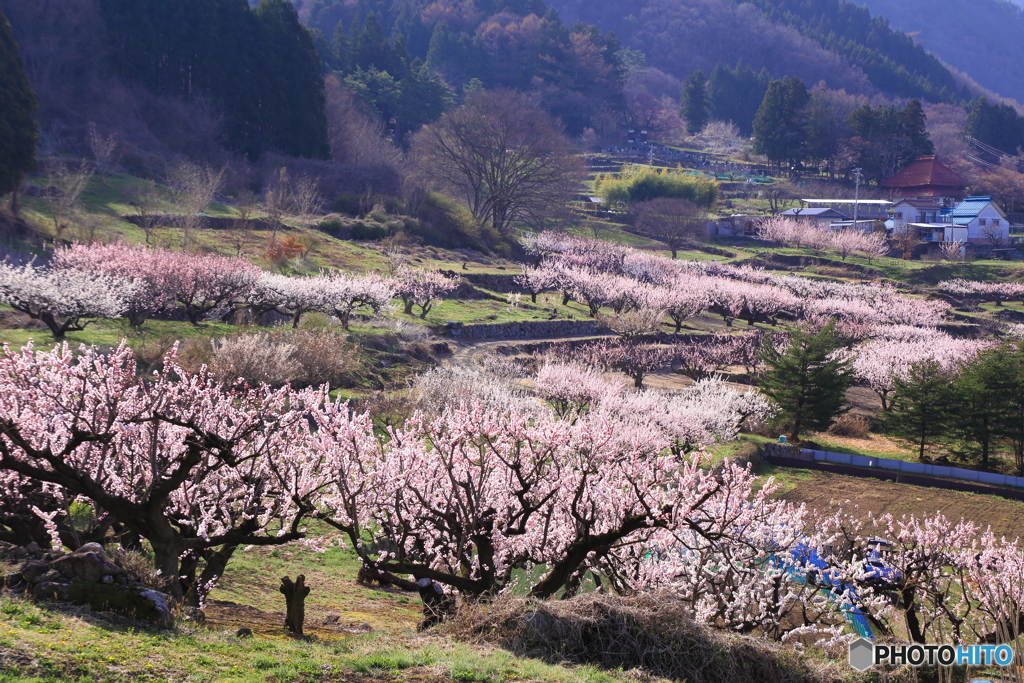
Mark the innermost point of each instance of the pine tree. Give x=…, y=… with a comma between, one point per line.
x=341, y=50
x=18, y=130
x=695, y=103
x=291, y=84
x=779, y=127
x=807, y=380
x=981, y=395
x=920, y=407
x=912, y=123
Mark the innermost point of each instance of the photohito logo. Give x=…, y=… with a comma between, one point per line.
x=864, y=654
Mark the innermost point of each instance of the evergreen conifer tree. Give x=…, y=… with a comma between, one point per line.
x=780, y=121
x=912, y=121
x=18, y=130
x=807, y=380
x=695, y=102
x=921, y=405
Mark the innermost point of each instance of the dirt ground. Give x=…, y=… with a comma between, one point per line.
x=819, y=490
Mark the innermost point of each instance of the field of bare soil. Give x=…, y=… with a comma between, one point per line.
x=821, y=490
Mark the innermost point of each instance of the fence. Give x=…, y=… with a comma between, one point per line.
x=895, y=472
x=921, y=468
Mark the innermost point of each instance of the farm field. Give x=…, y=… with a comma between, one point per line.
x=822, y=490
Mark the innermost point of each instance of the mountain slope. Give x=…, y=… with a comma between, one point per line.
x=980, y=37
x=831, y=40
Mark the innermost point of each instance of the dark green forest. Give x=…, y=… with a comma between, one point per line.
x=979, y=37
x=259, y=65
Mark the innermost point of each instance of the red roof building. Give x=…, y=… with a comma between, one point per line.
x=927, y=177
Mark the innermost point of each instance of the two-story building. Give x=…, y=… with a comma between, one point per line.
x=975, y=220
x=916, y=211
x=985, y=221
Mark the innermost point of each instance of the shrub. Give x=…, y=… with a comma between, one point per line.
x=444, y=222
x=643, y=183
x=301, y=358
x=323, y=358
x=368, y=231
x=335, y=227
x=349, y=204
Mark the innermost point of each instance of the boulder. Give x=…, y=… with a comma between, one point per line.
x=50, y=590
x=88, y=563
x=34, y=569
x=147, y=605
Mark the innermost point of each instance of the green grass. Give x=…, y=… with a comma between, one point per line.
x=40, y=646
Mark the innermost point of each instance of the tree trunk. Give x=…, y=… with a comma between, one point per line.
x=295, y=599
x=167, y=562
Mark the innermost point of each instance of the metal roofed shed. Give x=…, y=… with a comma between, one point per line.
x=826, y=212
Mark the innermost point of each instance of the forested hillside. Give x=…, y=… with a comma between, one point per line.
x=828, y=40
x=980, y=37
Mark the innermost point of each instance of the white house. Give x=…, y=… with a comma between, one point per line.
x=985, y=221
x=916, y=211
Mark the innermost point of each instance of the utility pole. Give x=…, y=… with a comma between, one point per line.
x=858, y=175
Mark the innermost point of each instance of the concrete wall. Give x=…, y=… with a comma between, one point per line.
x=921, y=468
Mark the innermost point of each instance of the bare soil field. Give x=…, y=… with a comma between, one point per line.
x=820, y=489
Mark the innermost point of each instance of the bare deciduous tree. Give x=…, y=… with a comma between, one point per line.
x=104, y=151
x=198, y=185
x=906, y=239
x=305, y=198
x=994, y=235
x=144, y=200
x=356, y=136
x=62, y=200
x=674, y=222
x=238, y=236
x=779, y=198
x=503, y=156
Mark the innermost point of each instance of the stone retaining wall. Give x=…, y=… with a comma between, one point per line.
x=527, y=329
x=496, y=282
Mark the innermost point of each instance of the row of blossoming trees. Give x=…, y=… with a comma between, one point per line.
x=885, y=330
x=484, y=486
x=486, y=483
x=84, y=282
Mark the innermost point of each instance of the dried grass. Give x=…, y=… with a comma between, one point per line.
x=139, y=566
x=651, y=632
x=855, y=426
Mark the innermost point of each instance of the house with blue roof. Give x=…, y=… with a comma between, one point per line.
x=985, y=221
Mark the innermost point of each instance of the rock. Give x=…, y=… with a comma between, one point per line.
x=52, y=576
x=243, y=633
x=33, y=549
x=88, y=563
x=159, y=601
x=14, y=581
x=147, y=605
x=107, y=579
x=34, y=568
x=49, y=590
